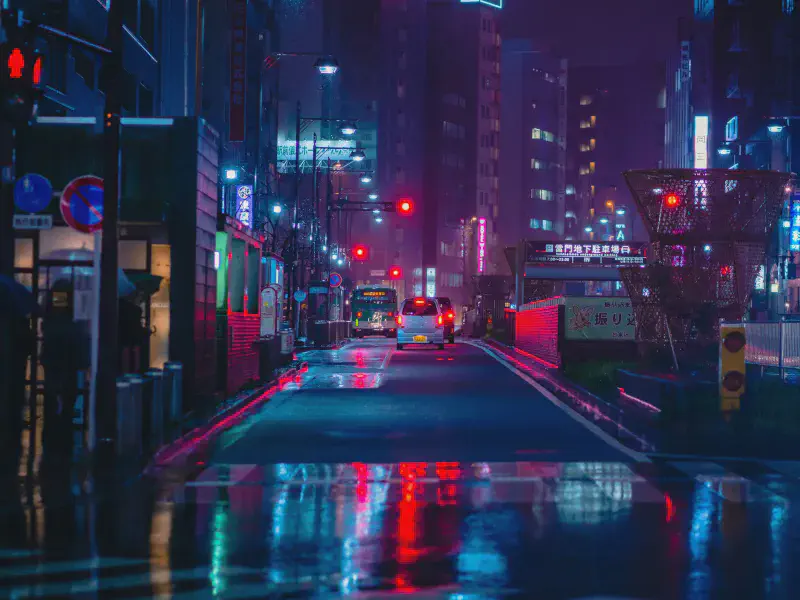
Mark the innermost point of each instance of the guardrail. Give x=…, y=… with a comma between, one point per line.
x=775, y=344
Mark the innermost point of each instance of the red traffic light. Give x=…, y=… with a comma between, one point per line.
x=405, y=206
x=395, y=272
x=672, y=200
x=360, y=252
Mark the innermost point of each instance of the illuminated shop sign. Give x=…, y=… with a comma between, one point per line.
x=481, y=245
x=430, y=282
x=701, y=142
x=794, y=231
x=244, y=204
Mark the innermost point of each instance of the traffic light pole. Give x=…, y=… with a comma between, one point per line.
x=109, y=308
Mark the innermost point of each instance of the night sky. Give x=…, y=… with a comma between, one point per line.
x=598, y=32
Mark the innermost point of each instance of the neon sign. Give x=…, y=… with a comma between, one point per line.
x=700, y=142
x=794, y=231
x=492, y=3
x=481, y=245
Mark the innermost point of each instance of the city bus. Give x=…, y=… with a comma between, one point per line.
x=373, y=311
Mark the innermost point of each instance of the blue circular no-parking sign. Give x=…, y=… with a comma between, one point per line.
x=82, y=203
x=335, y=280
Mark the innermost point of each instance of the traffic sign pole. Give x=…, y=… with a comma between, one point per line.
x=109, y=310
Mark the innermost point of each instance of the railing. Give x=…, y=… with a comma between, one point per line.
x=773, y=344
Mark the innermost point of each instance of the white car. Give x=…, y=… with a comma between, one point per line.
x=420, y=322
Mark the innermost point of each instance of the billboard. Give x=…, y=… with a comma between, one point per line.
x=599, y=319
x=586, y=253
x=236, y=114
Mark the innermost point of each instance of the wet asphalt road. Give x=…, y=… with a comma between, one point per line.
x=434, y=474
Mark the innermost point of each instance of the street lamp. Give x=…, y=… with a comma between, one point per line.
x=357, y=155
x=348, y=128
x=231, y=174
x=588, y=229
x=366, y=178
x=775, y=127
x=373, y=196
x=379, y=219
x=604, y=220
x=277, y=209
x=327, y=66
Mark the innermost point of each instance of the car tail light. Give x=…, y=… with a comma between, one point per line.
x=359, y=314
x=391, y=313
x=399, y=320
x=439, y=321
x=419, y=302
x=451, y=316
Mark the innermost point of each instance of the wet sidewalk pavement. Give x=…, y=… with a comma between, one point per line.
x=557, y=518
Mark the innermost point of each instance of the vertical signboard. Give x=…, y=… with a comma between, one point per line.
x=430, y=282
x=236, y=115
x=794, y=230
x=701, y=142
x=481, y=245
x=244, y=204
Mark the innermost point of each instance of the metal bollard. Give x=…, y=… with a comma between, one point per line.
x=174, y=393
x=135, y=414
x=124, y=431
x=155, y=424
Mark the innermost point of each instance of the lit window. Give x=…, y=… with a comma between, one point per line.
x=583, y=170
x=591, y=191
x=570, y=214
x=585, y=124
x=548, y=136
x=570, y=190
x=585, y=148
x=535, y=224
x=547, y=225
x=542, y=194
x=586, y=100
x=592, y=166
x=537, y=164
x=593, y=121
x=536, y=134
x=592, y=143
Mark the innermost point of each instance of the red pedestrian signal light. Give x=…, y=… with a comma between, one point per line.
x=405, y=206
x=672, y=200
x=360, y=253
x=16, y=62
x=395, y=273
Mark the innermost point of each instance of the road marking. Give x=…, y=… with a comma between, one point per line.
x=386, y=359
x=616, y=444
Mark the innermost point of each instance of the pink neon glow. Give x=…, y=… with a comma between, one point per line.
x=547, y=364
x=481, y=245
x=639, y=401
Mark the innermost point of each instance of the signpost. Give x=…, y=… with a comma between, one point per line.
x=595, y=319
x=32, y=193
x=335, y=280
x=82, y=204
x=586, y=253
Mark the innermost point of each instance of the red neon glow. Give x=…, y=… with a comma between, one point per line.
x=725, y=271
x=37, y=71
x=16, y=62
x=672, y=200
x=671, y=510
x=638, y=401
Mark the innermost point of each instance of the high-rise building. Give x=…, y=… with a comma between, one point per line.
x=616, y=123
x=732, y=88
x=533, y=143
x=460, y=207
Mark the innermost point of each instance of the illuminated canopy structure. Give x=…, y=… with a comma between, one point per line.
x=708, y=229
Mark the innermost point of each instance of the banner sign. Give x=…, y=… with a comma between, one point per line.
x=244, y=204
x=596, y=319
x=236, y=115
x=794, y=231
x=481, y=245
x=586, y=253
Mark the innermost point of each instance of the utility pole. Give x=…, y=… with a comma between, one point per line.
x=316, y=203
x=329, y=231
x=293, y=250
x=109, y=309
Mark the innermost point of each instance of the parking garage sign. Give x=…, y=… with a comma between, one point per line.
x=586, y=253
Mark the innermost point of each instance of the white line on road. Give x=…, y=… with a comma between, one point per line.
x=386, y=359
x=616, y=444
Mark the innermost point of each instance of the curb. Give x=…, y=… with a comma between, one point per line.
x=191, y=445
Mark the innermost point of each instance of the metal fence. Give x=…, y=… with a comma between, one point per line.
x=773, y=344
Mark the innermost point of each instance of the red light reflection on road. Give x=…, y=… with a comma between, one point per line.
x=671, y=510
